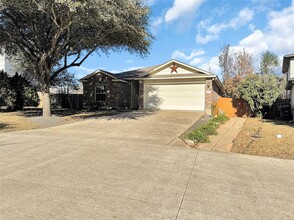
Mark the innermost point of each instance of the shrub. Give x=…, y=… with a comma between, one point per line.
x=16, y=91
x=200, y=135
x=260, y=91
x=209, y=128
x=7, y=93
x=220, y=119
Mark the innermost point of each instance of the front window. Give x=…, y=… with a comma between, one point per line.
x=100, y=93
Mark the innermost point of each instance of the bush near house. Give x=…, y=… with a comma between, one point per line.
x=200, y=135
x=7, y=93
x=260, y=91
x=16, y=92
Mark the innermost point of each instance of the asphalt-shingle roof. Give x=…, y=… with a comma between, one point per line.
x=136, y=73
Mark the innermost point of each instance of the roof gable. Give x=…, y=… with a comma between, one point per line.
x=163, y=70
x=181, y=69
x=111, y=75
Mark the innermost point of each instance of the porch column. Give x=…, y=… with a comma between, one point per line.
x=141, y=94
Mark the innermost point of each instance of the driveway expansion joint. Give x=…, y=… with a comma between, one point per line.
x=185, y=191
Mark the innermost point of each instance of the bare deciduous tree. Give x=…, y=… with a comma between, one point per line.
x=225, y=62
x=269, y=63
x=236, y=66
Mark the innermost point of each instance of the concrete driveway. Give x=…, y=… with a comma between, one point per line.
x=131, y=166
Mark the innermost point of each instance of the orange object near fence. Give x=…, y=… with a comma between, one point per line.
x=232, y=107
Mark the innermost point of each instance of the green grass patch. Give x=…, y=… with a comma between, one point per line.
x=201, y=134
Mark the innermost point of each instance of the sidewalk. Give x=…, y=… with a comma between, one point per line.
x=227, y=133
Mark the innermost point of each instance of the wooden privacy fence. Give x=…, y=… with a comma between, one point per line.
x=232, y=107
x=280, y=109
x=74, y=101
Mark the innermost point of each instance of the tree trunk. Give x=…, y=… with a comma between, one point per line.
x=46, y=104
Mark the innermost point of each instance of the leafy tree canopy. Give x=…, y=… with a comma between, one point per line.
x=260, y=91
x=52, y=35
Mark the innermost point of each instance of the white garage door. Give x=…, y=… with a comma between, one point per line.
x=174, y=96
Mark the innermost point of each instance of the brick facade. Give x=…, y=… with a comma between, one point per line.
x=212, y=92
x=118, y=94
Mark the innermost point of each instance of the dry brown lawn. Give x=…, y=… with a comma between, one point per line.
x=259, y=137
x=25, y=120
x=15, y=121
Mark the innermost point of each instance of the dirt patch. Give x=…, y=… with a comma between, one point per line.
x=259, y=137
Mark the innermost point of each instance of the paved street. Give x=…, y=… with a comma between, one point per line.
x=132, y=166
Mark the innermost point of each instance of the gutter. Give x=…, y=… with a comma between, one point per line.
x=219, y=84
x=172, y=78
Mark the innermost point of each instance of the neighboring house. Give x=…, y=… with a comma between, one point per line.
x=171, y=86
x=288, y=68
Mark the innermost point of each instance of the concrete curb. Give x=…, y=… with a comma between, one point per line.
x=203, y=119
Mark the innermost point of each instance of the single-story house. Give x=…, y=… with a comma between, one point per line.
x=170, y=86
x=288, y=68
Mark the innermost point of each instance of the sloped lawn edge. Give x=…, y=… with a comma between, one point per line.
x=201, y=134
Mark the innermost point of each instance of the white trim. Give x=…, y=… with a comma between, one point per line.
x=119, y=80
x=171, y=78
x=115, y=79
x=99, y=93
x=183, y=64
x=169, y=82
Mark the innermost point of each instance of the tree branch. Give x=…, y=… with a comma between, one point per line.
x=25, y=41
x=72, y=64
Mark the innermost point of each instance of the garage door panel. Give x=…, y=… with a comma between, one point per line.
x=174, y=97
